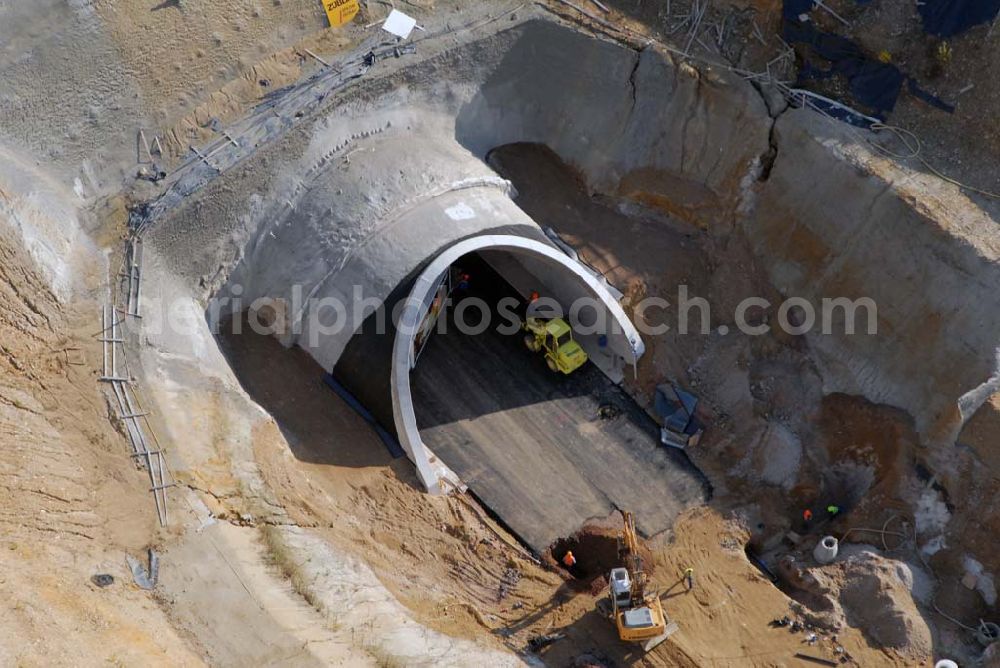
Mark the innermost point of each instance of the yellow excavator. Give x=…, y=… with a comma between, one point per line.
x=636, y=612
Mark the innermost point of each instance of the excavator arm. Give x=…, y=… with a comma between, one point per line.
x=642, y=619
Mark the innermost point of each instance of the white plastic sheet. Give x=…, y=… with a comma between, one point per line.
x=399, y=24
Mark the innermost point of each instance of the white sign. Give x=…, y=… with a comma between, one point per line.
x=399, y=24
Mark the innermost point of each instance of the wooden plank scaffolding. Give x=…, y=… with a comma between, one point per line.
x=146, y=447
x=132, y=279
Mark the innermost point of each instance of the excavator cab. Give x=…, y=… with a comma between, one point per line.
x=555, y=337
x=621, y=587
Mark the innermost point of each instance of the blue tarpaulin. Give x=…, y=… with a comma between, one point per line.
x=945, y=18
x=676, y=407
x=872, y=83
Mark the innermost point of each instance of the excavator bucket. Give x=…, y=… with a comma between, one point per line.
x=651, y=644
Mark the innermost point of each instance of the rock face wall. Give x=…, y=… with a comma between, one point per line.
x=635, y=124
x=834, y=220
x=831, y=219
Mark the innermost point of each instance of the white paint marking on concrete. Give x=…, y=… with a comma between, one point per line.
x=461, y=211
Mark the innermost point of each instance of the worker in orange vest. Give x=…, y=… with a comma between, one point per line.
x=569, y=561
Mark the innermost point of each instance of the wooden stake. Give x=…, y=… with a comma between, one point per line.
x=316, y=57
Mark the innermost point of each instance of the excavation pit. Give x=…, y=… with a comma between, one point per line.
x=596, y=551
x=653, y=171
x=653, y=174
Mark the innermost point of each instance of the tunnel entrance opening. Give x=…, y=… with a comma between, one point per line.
x=493, y=412
x=474, y=278
x=480, y=336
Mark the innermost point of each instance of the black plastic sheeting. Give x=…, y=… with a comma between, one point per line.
x=942, y=18
x=390, y=442
x=873, y=84
x=945, y=18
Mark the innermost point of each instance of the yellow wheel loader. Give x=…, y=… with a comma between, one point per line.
x=555, y=337
x=637, y=613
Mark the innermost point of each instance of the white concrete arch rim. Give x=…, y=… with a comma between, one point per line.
x=415, y=308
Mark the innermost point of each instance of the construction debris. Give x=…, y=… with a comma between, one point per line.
x=676, y=409
x=102, y=579
x=874, y=84
x=609, y=411
x=152, y=173
x=145, y=578
x=508, y=582
x=536, y=643
x=815, y=659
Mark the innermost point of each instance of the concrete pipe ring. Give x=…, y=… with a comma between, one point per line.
x=988, y=633
x=826, y=550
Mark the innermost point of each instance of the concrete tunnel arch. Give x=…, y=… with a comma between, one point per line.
x=430, y=470
x=390, y=222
